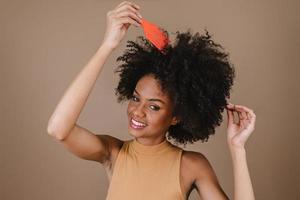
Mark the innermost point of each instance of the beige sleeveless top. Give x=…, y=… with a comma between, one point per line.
x=146, y=172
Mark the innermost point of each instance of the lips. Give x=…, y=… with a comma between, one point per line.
x=137, y=124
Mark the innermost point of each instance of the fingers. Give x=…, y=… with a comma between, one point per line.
x=230, y=117
x=246, y=115
x=230, y=113
x=128, y=20
x=128, y=10
x=241, y=109
x=129, y=3
x=246, y=112
x=243, y=115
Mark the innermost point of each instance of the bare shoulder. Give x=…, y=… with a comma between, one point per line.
x=197, y=166
x=196, y=162
x=192, y=155
x=203, y=175
x=189, y=170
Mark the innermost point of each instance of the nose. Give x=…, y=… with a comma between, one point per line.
x=139, y=111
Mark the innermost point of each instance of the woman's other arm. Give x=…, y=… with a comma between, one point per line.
x=238, y=133
x=206, y=181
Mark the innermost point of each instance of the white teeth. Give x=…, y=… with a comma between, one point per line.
x=137, y=123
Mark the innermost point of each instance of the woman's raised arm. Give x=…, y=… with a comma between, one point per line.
x=71, y=104
x=62, y=123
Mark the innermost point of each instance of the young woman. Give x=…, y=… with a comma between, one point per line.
x=177, y=95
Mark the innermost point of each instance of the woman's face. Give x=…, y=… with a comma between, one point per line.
x=149, y=110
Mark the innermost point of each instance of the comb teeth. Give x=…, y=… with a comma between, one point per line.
x=153, y=33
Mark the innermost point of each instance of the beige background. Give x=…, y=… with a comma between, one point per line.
x=44, y=44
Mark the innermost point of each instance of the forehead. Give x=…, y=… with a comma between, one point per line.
x=149, y=87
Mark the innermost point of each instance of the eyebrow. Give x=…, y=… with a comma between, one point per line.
x=151, y=99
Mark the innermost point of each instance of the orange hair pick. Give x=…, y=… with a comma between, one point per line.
x=155, y=35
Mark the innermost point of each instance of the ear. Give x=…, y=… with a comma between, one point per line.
x=175, y=120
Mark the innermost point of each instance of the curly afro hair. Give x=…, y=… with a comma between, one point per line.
x=195, y=72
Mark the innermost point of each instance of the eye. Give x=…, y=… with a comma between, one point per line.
x=134, y=98
x=156, y=108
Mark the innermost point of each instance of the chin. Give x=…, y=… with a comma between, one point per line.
x=135, y=134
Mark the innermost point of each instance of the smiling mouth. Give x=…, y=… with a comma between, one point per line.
x=137, y=125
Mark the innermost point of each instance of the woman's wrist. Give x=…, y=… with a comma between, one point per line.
x=106, y=47
x=237, y=152
x=234, y=146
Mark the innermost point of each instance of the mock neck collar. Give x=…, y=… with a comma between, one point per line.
x=150, y=149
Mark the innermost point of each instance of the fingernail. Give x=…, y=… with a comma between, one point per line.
x=140, y=16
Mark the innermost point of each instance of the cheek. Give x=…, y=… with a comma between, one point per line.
x=161, y=119
x=130, y=108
